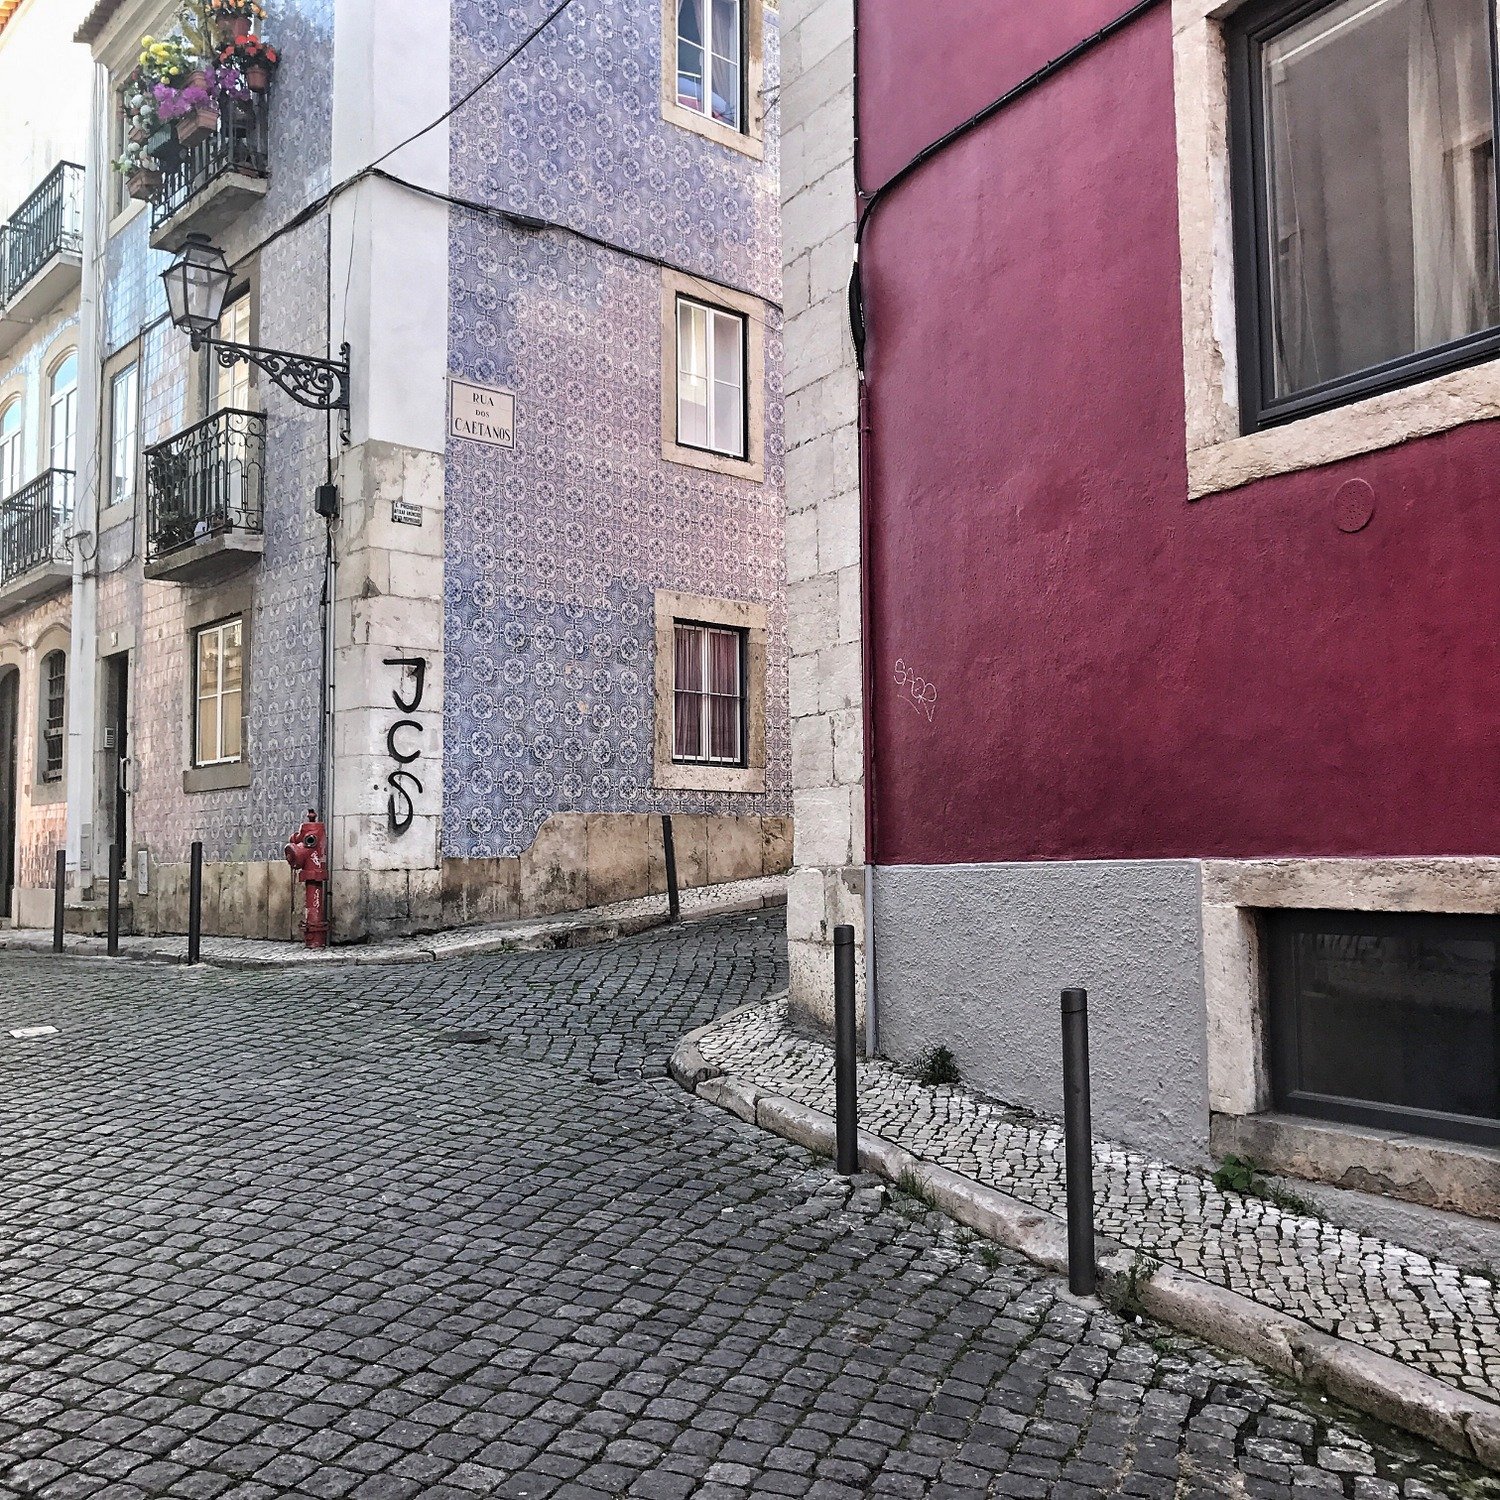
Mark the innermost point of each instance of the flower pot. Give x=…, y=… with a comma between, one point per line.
x=257, y=78
x=139, y=135
x=143, y=183
x=197, y=125
x=197, y=79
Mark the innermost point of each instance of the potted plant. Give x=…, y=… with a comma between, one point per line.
x=233, y=19
x=141, y=172
x=253, y=59
x=192, y=108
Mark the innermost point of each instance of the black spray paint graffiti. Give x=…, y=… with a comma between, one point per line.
x=400, y=816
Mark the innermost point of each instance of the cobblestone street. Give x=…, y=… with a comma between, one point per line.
x=448, y=1230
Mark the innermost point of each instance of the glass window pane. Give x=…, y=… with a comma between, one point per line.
x=230, y=745
x=208, y=730
x=1393, y=1013
x=726, y=62
x=1379, y=143
x=232, y=655
x=690, y=55
x=208, y=662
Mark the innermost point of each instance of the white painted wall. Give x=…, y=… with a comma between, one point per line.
x=45, y=79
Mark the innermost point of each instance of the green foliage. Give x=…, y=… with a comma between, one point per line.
x=1235, y=1175
x=939, y=1069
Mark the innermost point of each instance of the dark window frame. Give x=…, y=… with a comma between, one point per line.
x=1282, y=1040
x=743, y=635
x=743, y=456
x=54, y=732
x=196, y=761
x=1244, y=35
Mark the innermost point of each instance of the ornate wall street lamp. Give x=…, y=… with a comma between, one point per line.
x=197, y=283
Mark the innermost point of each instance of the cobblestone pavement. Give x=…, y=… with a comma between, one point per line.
x=446, y=1230
x=1426, y=1313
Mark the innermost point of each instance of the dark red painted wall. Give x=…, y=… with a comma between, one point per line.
x=1119, y=672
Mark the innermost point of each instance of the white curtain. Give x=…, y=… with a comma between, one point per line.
x=1452, y=170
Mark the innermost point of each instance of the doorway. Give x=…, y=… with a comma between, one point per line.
x=10, y=705
x=117, y=755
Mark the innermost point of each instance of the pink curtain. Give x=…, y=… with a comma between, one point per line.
x=687, y=706
x=724, y=684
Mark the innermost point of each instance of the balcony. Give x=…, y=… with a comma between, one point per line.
x=210, y=184
x=41, y=252
x=36, y=555
x=204, y=499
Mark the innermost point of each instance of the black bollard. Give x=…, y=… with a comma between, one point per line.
x=195, y=904
x=59, y=900
x=669, y=854
x=1078, y=1136
x=113, y=948
x=845, y=1081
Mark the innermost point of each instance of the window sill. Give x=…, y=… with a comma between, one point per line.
x=1417, y=1169
x=692, y=776
x=1383, y=421
x=751, y=469
x=49, y=793
x=216, y=778
x=750, y=145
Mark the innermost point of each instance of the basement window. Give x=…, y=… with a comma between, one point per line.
x=1387, y=1020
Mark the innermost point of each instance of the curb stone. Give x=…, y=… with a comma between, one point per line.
x=1369, y=1382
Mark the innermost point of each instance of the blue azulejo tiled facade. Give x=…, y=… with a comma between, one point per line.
x=556, y=547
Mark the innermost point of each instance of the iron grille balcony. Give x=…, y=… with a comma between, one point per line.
x=49, y=223
x=205, y=485
x=235, y=151
x=34, y=525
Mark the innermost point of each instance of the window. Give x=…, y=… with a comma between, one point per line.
x=123, y=435
x=53, y=710
x=229, y=385
x=10, y=448
x=710, y=378
x=708, y=694
x=1388, y=1020
x=1365, y=209
x=710, y=38
x=62, y=414
x=219, y=678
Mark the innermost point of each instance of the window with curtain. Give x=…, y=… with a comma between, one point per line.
x=709, y=49
x=710, y=378
x=219, y=686
x=123, y=435
x=54, y=707
x=10, y=447
x=1367, y=130
x=708, y=694
x=62, y=415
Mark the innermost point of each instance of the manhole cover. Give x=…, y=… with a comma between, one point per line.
x=465, y=1038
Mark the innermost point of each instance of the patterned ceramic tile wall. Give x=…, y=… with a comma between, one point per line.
x=556, y=546
x=284, y=665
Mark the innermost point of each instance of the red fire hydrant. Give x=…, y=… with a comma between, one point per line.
x=307, y=854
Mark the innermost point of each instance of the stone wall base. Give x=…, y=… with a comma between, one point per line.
x=577, y=860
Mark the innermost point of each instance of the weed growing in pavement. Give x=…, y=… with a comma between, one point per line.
x=939, y=1069
x=1236, y=1175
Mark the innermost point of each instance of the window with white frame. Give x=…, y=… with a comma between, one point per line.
x=1365, y=197
x=219, y=684
x=54, y=696
x=232, y=384
x=710, y=56
x=123, y=434
x=62, y=414
x=710, y=378
x=11, y=423
x=708, y=694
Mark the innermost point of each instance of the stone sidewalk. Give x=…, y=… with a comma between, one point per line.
x=1378, y=1298
x=598, y=924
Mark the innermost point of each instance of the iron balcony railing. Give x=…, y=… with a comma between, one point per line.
x=238, y=145
x=48, y=223
x=34, y=524
x=206, y=481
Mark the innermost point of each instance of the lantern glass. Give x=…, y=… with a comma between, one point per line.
x=197, y=283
